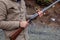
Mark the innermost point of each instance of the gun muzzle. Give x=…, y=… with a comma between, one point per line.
x=36, y=14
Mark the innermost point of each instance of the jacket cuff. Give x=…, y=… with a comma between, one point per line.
x=16, y=24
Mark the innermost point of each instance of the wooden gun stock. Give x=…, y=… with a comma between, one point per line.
x=13, y=37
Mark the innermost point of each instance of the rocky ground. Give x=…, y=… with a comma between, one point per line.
x=38, y=31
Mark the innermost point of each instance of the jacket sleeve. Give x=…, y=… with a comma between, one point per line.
x=7, y=25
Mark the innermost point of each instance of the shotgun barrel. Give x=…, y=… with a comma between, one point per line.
x=46, y=8
x=13, y=37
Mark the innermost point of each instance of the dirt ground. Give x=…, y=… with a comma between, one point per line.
x=52, y=13
x=44, y=28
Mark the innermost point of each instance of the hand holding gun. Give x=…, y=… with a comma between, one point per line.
x=40, y=13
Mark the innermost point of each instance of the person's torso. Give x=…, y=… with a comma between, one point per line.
x=13, y=10
x=13, y=14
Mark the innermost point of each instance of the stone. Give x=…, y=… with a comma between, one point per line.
x=43, y=32
x=2, y=35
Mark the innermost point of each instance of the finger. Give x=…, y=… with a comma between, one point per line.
x=40, y=12
x=26, y=25
x=41, y=15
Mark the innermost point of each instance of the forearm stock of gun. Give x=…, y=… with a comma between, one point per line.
x=36, y=14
